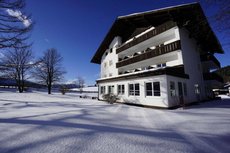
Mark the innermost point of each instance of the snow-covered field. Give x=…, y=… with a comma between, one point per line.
x=40, y=123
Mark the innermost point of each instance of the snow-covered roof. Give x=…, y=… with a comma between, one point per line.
x=155, y=10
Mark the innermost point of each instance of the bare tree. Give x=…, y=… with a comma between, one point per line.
x=49, y=70
x=80, y=82
x=14, y=23
x=16, y=64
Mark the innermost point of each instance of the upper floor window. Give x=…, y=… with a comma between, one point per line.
x=111, y=50
x=121, y=89
x=161, y=65
x=134, y=89
x=105, y=64
x=106, y=53
x=153, y=89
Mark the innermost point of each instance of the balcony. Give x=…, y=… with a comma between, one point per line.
x=161, y=28
x=177, y=71
x=211, y=59
x=151, y=53
x=213, y=76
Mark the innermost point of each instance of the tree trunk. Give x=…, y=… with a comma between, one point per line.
x=49, y=89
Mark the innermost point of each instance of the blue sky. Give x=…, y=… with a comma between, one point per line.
x=77, y=27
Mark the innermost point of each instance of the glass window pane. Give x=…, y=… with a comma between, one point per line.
x=149, y=93
x=156, y=87
x=185, y=89
x=123, y=89
x=137, y=86
x=131, y=89
x=172, y=89
x=149, y=89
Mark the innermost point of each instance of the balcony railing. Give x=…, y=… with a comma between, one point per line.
x=151, y=53
x=161, y=28
x=212, y=76
x=210, y=57
x=177, y=71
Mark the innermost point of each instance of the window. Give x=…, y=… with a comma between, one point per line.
x=172, y=88
x=134, y=89
x=185, y=89
x=105, y=64
x=197, y=89
x=161, y=65
x=156, y=87
x=110, y=62
x=111, y=50
x=149, y=89
x=121, y=89
x=111, y=89
x=153, y=89
x=102, y=90
x=106, y=53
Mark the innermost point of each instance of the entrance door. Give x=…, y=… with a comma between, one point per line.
x=180, y=93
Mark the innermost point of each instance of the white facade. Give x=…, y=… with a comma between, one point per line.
x=188, y=55
x=160, y=66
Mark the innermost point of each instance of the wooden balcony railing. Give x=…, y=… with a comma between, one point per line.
x=212, y=76
x=151, y=53
x=159, y=29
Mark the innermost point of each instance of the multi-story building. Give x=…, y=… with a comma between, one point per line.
x=160, y=58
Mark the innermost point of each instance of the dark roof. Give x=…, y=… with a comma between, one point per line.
x=189, y=16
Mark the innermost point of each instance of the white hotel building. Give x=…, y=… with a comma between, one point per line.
x=160, y=58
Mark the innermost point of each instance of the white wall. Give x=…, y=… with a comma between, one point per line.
x=161, y=101
x=174, y=100
x=110, y=57
x=192, y=64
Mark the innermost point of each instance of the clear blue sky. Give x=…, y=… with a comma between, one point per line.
x=77, y=27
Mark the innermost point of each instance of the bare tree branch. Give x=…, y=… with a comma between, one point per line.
x=49, y=70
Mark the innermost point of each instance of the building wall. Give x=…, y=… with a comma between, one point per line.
x=161, y=101
x=189, y=56
x=109, y=59
x=192, y=65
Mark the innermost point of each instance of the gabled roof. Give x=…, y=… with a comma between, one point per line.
x=189, y=16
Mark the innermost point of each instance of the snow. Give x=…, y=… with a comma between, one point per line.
x=86, y=89
x=36, y=122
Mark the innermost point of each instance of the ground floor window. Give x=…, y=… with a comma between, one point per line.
x=134, y=89
x=121, y=89
x=153, y=89
x=172, y=89
x=185, y=89
x=102, y=90
x=111, y=89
